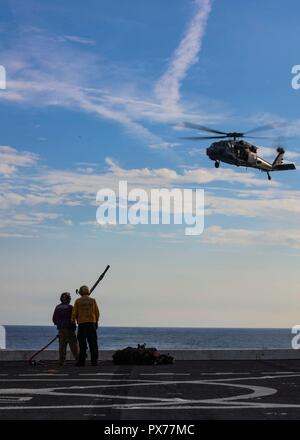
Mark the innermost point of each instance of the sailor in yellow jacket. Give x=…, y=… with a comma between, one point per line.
x=86, y=314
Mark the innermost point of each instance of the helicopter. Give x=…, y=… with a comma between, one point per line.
x=235, y=151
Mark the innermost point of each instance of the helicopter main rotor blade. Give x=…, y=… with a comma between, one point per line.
x=266, y=127
x=200, y=138
x=202, y=127
x=258, y=137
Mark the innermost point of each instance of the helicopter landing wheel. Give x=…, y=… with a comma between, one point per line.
x=217, y=164
x=269, y=177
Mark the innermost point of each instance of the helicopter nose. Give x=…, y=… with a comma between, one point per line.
x=208, y=151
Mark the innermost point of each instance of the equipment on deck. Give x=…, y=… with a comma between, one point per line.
x=141, y=356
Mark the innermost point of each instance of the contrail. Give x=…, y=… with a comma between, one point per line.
x=167, y=89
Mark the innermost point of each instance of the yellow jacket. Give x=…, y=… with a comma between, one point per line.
x=85, y=310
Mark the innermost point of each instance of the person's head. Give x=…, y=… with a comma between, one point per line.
x=65, y=298
x=84, y=290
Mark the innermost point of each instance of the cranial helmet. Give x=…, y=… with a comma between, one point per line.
x=65, y=295
x=84, y=290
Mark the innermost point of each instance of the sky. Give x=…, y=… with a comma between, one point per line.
x=97, y=92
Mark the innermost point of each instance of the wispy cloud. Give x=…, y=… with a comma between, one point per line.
x=168, y=87
x=30, y=193
x=272, y=207
x=67, y=78
x=73, y=187
x=80, y=79
x=11, y=160
x=28, y=225
x=240, y=237
x=80, y=40
x=253, y=238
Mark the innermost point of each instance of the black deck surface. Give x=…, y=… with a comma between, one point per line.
x=197, y=390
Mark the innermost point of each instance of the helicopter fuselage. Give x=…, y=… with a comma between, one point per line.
x=239, y=153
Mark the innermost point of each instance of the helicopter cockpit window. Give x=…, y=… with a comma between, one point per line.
x=253, y=149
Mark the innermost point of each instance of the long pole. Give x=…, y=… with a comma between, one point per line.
x=31, y=361
x=100, y=278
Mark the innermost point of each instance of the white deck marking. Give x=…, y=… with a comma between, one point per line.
x=157, y=403
x=104, y=374
x=192, y=407
x=165, y=374
x=280, y=372
x=140, y=382
x=94, y=415
x=43, y=374
x=222, y=374
x=120, y=407
x=30, y=379
x=8, y=399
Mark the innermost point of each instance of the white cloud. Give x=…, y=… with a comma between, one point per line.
x=63, y=78
x=11, y=160
x=44, y=187
x=16, y=235
x=168, y=87
x=23, y=224
x=254, y=238
x=268, y=207
x=75, y=187
x=80, y=40
x=68, y=222
x=80, y=80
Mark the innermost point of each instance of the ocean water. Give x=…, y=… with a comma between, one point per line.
x=34, y=337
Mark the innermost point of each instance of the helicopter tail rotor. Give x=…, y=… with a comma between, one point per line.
x=280, y=150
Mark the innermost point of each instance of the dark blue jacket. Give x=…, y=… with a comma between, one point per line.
x=62, y=316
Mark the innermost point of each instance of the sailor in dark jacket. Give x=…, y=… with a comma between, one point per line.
x=66, y=328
